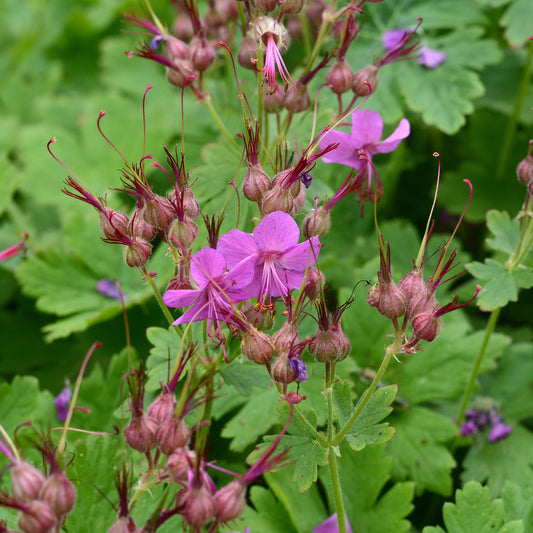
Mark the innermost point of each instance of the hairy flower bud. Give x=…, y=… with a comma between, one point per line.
x=413, y=284
x=257, y=346
x=314, y=283
x=140, y=433
x=277, y=199
x=159, y=212
x=179, y=463
x=200, y=54
x=297, y=99
x=340, y=77
x=316, y=223
x=388, y=299
x=184, y=231
x=184, y=199
x=124, y=524
x=426, y=325
x=247, y=52
x=113, y=224
x=286, y=339
x=26, y=481
x=367, y=74
x=524, y=171
x=273, y=100
x=138, y=253
x=181, y=71
x=58, y=492
x=171, y=435
x=330, y=346
x=38, y=517
x=175, y=48
x=291, y=7
x=256, y=183
x=163, y=407
x=197, y=506
x=266, y=6
x=282, y=371
x=140, y=228
x=229, y=501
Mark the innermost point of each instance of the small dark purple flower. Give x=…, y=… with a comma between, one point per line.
x=300, y=368
x=498, y=431
x=330, y=525
x=306, y=179
x=62, y=401
x=467, y=428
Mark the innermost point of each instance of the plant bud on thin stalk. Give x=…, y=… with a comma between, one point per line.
x=524, y=171
x=184, y=199
x=316, y=223
x=180, y=73
x=59, y=492
x=266, y=6
x=197, y=506
x=138, y=253
x=229, y=501
x=184, y=231
x=159, y=212
x=171, y=435
x=257, y=346
x=331, y=345
x=368, y=74
x=164, y=406
x=38, y=517
x=297, y=99
x=277, y=199
x=291, y=7
x=388, y=299
x=200, y=53
x=426, y=326
x=140, y=433
x=124, y=524
x=140, y=228
x=262, y=318
x=179, y=463
x=113, y=224
x=340, y=77
x=282, y=371
x=256, y=183
x=314, y=283
x=26, y=481
x=247, y=52
x=413, y=284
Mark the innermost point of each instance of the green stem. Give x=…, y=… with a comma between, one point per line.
x=311, y=429
x=326, y=20
x=477, y=364
x=207, y=101
x=391, y=351
x=513, y=119
x=337, y=490
x=330, y=374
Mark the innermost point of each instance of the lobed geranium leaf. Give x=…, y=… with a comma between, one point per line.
x=506, y=231
x=166, y=345
x=366, y=429
x=473, y=510
x=268, y=514
x=370, y=507
x=443, y=14
x=501, y=286
x=419, y=450
x=518, y=503
x=509, y=459
x=517, y=22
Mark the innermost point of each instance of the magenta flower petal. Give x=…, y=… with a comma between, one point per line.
x=367, y=128
x=392, y=141
x=301, y=256
x=235, y=246
x=431, y=58
x=499, y=431
x=276, y=232
x=181, y=297
x=206, y=265
x=392, y=37
x=62, y=402
x=344, y=153
x=330, y=525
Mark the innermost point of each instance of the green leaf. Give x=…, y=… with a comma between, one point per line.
x=518, y=502
x=422, y=89
x=365, y=430
x=166, y=344
x=509, y=459
x=506, y=231
x=443, y=14
x=369, y=505
x=253, y=420
x=419, y=451
x=473, y=510
x=517, y=22
x=502, y=286
x=244, y=375
x=269, y=515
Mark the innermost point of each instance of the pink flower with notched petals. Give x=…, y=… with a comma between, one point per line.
x=357, y=148
x=217, y=291
x=272, y=253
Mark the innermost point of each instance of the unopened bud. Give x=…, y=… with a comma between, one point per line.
x=138, y=253
x=314, y=283
x=58, y=492
x=184, y=231
x=297, y=99
x=316, y=223
x=282, y=371
x=314, y=12
x=197, y=507
x=368, y=74
x=140, y=228
x=280, y=177
x=261, y=316
x=524, y=171
x=340, y=77
x=159, y=212
x=426, y=325
x=247, y=52
x=124, y=524
x=180, y=72
x=256, y=183
x=413, y=284
x=185, y=201
x=26, y=481
x=175, y=48
x=140, y=433
x=171, y=435
x=330, y=346
x=229, y=501
x=113, y=224
x=163, y=407
x=273, y=100
x=388, y=299
x=277, y=199
x=257, y=346
x=179, y=463
x=299, y=199
x=266, y=6
x=200, y=54
x=182, y=28
x=290, y=7
x=286, y=339
x=37, y=518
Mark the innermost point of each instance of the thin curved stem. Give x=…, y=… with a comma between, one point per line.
x=337, y=490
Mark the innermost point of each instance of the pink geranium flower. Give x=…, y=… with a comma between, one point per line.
x=330, y=525
x=427, y=57
x=357, y=148
x=217, y=291
x=273, y=254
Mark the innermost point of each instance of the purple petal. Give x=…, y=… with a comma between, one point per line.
x=393, y=140
x=431, y=58
x=499, y=431
x=276, y=232
x=300, y=368
x=206, y=265
x=344, y=154
x=62, y=401
x=108, y=288
x=236, y=246
x=331, y=525
x=467, y=428
x=367, y=128
x=181, y=297
x=299, y=257
x=391, y=38
x=238, y=279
